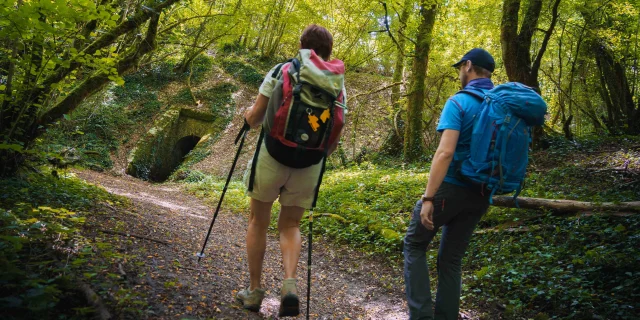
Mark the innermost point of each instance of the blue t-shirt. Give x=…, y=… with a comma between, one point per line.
x=458, y=114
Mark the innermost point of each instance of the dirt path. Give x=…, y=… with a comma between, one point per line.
x=345, y=283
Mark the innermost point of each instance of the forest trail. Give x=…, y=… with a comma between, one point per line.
x=346, y=284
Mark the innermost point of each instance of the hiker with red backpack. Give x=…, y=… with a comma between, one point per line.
x=301, y=107
x=483, y=151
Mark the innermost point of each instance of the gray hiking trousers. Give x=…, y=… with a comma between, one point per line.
x=457, y=210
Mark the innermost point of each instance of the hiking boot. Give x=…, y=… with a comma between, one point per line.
x=251, y=300
x=289, y=302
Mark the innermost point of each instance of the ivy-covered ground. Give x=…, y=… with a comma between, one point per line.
x=46, y=260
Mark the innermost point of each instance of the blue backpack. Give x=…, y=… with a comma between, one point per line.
x=499, y=152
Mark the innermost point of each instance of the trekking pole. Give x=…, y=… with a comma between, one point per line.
x=309, y=262
x=242, y=134
x=313, y=205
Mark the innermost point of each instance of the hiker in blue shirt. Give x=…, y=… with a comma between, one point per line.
x=448, y=202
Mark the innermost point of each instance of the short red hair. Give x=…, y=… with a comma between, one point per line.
x=317, y=38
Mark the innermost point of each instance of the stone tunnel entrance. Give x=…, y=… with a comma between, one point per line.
x=163, y=149
x=180, y=150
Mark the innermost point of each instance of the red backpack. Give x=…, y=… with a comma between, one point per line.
x=304, y=116
x=305, y=113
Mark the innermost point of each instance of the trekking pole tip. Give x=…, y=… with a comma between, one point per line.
x=200, y=255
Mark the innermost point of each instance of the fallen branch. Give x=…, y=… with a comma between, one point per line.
x=565, y=205
x=618, y=170
x=92, y=297
x=121, y=270
x=189, y=268
x=134, y=235
x=515, y=229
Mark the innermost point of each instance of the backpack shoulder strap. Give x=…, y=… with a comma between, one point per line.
x=478, y=95
x=457, y=105
x=474, y=93
x=276, y=71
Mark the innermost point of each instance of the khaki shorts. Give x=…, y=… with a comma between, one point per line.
x=296, y=187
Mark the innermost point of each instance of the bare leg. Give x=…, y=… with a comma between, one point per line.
x=259, y=217
x=290, y=241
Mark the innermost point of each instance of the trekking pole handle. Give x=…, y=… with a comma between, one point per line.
x=245, y=128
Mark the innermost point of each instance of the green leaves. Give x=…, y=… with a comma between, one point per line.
x=43, y=223
x=14, y=147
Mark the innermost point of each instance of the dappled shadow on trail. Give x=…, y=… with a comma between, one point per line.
x=161, y=267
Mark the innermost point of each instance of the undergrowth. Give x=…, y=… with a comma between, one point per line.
x=43, y=256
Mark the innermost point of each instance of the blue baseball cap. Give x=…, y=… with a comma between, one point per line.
x=479, y=57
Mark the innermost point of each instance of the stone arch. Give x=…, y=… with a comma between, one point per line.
x=181, y=148
x=165, y=145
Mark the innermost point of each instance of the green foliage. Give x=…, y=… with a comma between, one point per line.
x=258, y=60
x=570, y=267
x=242, y=71
x=155, y=76
x=42, y=254
x=374, y=204
x=199, y=68
x=183, y=97
x=55, y=54
x=588, y=168
x=210, y=188
x=95, y=128
x=219, y=98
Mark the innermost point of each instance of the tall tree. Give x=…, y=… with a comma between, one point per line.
x=393, y=144
x=413, y=144
x=613, y=46
x=517, y=46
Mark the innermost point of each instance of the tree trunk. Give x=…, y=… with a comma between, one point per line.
x=96, y=82
x=516, y=47
x=616, y=91
x=566, y=128
x=413, y=146
x=393, y=144
x=565, y=205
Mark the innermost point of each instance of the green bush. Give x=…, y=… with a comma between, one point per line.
x=183, y=97
x=571, y=268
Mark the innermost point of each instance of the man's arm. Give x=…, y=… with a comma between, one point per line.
x=255, y=114
x=439, y=167
x=441, y=161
